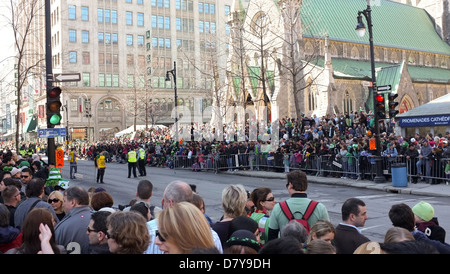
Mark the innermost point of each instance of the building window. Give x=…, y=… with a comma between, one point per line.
x=101, y=79
x=129, y=18
x=72, y=13
x=72, y=57
x=114, y=16
x=114, y=38
x=140, y=19
x=85, y=36
x=107, y=16
x=86, y=58
x=86, y=79
x=101, y=37
x=348, y=103
x=129, y=39
x=100, y=15
x=85, y=13
x=72, y=35
x=140, y=40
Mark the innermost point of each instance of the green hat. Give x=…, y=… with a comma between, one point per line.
x=424, y=210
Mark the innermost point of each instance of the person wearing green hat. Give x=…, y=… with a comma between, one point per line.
x=427, y=222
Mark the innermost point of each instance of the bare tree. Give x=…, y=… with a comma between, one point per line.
x=27, y=24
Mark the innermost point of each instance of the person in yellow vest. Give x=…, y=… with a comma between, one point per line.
x=101, y=167
x=141, y=162
x=132, y=162
x=72, y=159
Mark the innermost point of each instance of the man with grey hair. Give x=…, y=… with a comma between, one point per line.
x=175, y=192
x=70, y=232
x=296, y=230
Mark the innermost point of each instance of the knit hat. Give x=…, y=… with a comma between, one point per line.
x=424, y=210
x=14, y=171
x=24, y=163
x=243, y=237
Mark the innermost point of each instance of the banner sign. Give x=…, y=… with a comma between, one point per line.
x=425, y=121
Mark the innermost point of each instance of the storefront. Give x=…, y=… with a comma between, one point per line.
x=432, y=117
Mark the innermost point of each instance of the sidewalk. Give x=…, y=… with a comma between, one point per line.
x=420, y=188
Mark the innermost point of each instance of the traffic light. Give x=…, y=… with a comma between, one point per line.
x=380, y=109
x=53, y=107
x=392, y=105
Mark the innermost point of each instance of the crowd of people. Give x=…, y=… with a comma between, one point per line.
x=71, y=220
x=40, y=214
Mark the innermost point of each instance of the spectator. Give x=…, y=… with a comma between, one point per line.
x=398, y=234
x=143, y=194
x=295, y=230
x=34, y=193
x=182, y=228
x=71, y=230
x=264, y=202
x=10, y=237
x=348, y=236
x=297, y=184
x=96, y=231
x=322, y=230
x=234, y=198
x=56, y=200
x=142, y=209
x=283, y=245
x=427, y=223
x=31, y=242
x=424, y=160
x=200, y=203
x=242, y=242
x=245, y=223
x=127, y=233
x=401, y=215
x=100, y=200
x=175, y=192
x=11, y=198
x=319, y=246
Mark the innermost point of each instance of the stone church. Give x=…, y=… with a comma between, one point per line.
x=304, y=57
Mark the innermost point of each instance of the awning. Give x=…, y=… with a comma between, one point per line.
x=30, y=124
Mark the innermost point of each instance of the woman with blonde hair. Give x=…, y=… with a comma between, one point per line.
x=127, y=233
x=234, y=198
x=323, y=230
x=398, y=234
x=183, y=228
x=56, y=200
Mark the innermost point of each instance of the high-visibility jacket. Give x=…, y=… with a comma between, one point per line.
x=141, y=153
x=132, y=156
x=101, y=161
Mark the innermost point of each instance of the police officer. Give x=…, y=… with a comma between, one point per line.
x=132, y=162
x=141, y=162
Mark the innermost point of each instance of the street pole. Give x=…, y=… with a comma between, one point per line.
x=51, y=150
x=379, y=177
x=174, y=74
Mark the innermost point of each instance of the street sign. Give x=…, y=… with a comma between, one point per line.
x=367, y=83
x=384, y=88
x=59, y=158
x=67, y=77
x=52, y=132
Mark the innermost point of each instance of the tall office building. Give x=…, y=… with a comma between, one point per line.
x=123, y=50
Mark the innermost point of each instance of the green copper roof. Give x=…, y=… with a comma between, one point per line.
x=394, y=24
x=386, y=72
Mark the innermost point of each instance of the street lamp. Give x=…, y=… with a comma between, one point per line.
x=174, y=75
x=361, y=31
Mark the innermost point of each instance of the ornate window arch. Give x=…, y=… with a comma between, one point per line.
x=348, y=102
x=355, y=53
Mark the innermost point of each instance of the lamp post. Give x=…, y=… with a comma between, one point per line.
x=174, y=75
x=361, y=31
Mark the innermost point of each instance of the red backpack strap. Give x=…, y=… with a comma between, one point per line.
x=310, y=209
x=286, y=210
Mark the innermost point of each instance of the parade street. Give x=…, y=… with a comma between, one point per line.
x=210, y=186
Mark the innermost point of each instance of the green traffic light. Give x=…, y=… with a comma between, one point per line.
x=54, y=120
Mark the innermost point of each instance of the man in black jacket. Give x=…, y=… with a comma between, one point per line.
x=348, y=236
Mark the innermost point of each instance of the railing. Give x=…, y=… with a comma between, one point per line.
x=358, y=168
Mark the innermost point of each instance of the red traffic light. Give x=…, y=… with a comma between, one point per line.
x=54, y=92
x=379, y=98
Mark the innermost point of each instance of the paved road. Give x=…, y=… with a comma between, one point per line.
x=210, y=186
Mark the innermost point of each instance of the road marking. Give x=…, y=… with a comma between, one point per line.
x=375, y=196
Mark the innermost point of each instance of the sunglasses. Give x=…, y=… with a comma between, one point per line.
x=24, y=176
x=161, y=238
x=91, y=230
x=271, y=199
x=53, y=201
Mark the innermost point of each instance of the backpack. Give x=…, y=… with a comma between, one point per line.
x=304, y=220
